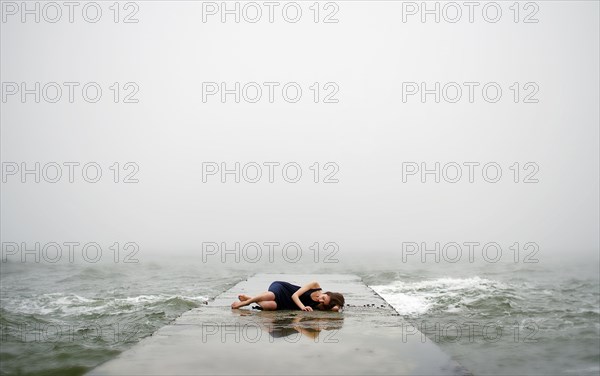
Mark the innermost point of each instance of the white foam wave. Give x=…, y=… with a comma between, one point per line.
x=447, y=294
x=75, y=305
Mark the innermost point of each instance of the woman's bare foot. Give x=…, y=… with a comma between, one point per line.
x=243, y=297
x=236, y=305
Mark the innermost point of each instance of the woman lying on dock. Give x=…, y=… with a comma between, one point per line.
x=284, y=295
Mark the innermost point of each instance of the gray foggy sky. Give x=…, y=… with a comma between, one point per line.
x=368, y=54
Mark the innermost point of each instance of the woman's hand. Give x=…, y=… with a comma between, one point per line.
x=309, y=309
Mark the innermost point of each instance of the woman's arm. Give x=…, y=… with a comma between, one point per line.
x=302, y=290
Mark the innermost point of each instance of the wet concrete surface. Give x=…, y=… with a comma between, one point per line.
x=367, y=337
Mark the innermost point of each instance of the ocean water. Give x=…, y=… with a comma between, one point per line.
x=494, y=319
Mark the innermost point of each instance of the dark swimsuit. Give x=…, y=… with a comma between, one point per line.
x=283, y=295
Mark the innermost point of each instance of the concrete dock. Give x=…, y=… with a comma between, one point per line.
x=368, y=337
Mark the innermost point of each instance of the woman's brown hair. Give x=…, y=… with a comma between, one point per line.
x=335, y=299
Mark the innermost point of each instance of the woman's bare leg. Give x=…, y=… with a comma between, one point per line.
x=270, y=305
x=265, y=296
